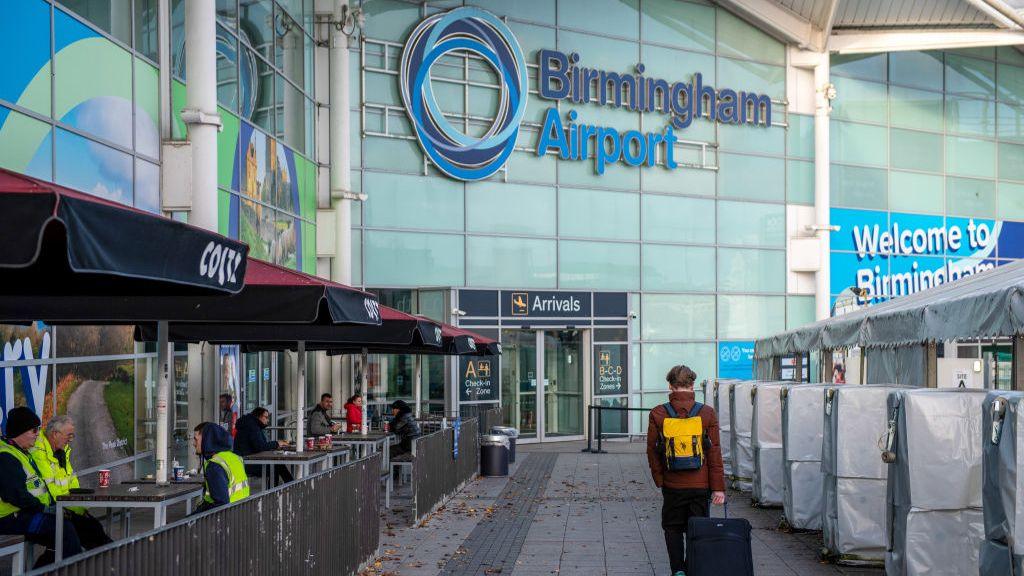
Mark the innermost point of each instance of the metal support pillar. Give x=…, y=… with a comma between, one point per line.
x=822, y=198
x=300, y=395
x=200, y=113
x=164, y=358
x=931, y=365
x=1017, y=380
x=826, y=365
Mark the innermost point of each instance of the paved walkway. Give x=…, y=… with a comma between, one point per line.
x=568, y=513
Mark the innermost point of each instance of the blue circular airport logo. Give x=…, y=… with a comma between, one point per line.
x=481, y=33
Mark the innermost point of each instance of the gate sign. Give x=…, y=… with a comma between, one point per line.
x=736, y=360
x=478, y=380
x=610, y=369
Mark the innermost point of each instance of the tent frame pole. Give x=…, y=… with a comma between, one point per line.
x=1017, y=369
x=300, y=393
x=164, y=357
x=417, y=379
x=827, y=365
x=931, y=365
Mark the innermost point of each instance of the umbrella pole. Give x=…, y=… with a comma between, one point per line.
x=366, y=393
x=417, y=379
x=163, y=387
x=300, y=383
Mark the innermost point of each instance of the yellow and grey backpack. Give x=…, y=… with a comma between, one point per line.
x=683, y=439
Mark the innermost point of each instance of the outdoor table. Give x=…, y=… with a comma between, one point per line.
x=301, y=461
x=128, y=496
x=370, y=443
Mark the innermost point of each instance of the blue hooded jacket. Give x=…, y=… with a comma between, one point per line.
x=215, y=439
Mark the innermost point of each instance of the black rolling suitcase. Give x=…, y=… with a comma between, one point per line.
x=718, y=547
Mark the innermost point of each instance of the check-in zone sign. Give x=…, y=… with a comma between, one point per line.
x=478, y=379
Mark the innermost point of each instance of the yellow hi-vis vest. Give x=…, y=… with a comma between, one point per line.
x=238, y=480
x=33, y=482
x=59, y=479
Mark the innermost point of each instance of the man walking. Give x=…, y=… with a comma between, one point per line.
x=690, y=477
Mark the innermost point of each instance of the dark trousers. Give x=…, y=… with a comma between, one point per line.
x=678, y=507
x=41, y=528
x=90, y=532
x=281, y=473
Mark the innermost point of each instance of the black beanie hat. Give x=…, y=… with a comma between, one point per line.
x=401, y=406
x=21, y=420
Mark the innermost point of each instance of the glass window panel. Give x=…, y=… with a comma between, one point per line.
x=91, y=167
x=510, y=208
x=679, y=24
x=970, y=76
x=739, y=39
x=678, y=268
x=254, y=26
x=111, y=16
x=413, y=259
x=357, y=260
x=970, y=116
x=1011, y=201
x=800, y=311
x=405, y=201
x=1009, y=54
x=291, y=123
x=227, y=12
x=860, y=100
x=146, y=29
x=542, y=11
x=986, y=52
x=694, y=181
x=970, y=157
x=676, y=316
x=261, y=109
x=147, y=186
x=611, y=17
x=919, y=69
x=521, y=262
x=1011, y=122
x=800, y=136
x=757, y=139
x=147, y=109
x=970, y=197
x=751, y=270
x=594, y=214
x=227, y=70
x=752, y=77
x=866, y=66
x=290, y=48
x=749, y=224
x=293, y=7
x=1011, y=161
x=915, y=108
x=390, y=19
x=915, y=150
x=753, y=177
x=659, y=358
x=665, y=63
x=528, y=167
x=392, y=154
x=26, y=144
x=859, y=144
x=912, y=192
x=857, y=187
x=745, y=317
x=598, y=265
x=1011, y=83
x=678, y=219
x=799, y=182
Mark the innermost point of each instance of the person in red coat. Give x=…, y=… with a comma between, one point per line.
x=354, y=413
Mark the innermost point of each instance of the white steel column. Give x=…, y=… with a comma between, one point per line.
x=200, y=113
x=164, y=43
x=164, y=358
x=417, y=382
x=822, y=107
x=341, y=158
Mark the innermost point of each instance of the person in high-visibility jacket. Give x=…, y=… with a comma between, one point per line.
x=52, y=455
x=224, y=477
x=26, y=506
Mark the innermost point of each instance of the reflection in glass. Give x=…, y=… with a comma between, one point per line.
x=519, y=380
x=563, y=383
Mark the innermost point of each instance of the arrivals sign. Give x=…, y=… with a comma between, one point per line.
x=895, y=254
x=561, y=77
x=478, y=379
x=545, y=304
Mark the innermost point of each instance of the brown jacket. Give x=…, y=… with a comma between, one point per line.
x=711, y=476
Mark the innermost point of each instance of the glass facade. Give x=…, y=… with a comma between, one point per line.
x=701, y=248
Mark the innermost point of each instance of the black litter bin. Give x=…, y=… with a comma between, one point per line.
x=494, y=455
x=512, y=434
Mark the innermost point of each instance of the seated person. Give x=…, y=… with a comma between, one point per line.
x=320, y=422
x=250, y=438
x=26, y=507
x=404, y=426
x=225, y=481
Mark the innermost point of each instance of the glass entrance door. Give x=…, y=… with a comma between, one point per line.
x=550, y=407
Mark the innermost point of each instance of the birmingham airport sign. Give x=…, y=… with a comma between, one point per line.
x=562, y=77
